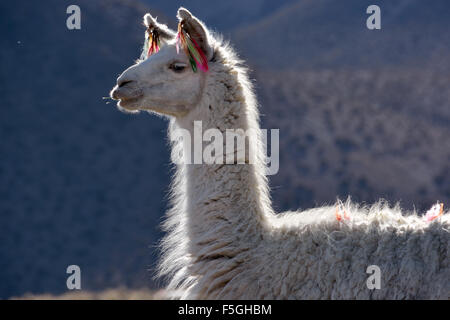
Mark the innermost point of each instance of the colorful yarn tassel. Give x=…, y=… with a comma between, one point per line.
x=197, y=58
x=152, y=42
x=339, y=216
x=436, y=211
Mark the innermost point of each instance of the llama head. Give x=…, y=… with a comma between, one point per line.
x=166, y=81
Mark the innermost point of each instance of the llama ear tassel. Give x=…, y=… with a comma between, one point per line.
x=191, y=37
x=195, y=54
x=152, y=42
x=153, y=35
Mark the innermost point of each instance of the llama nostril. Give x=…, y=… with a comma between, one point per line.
x=121, y=83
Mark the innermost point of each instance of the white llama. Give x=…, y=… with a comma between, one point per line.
x=223, y=239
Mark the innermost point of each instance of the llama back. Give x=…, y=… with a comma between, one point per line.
x=319, y=256
x=329, y=259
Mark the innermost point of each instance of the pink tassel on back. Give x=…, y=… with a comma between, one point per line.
x=339, y=216
x=435, y=211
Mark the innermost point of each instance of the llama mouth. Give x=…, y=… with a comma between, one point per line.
x=128, y=102
x=126, y=96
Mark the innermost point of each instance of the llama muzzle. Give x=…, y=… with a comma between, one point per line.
x=126, y=91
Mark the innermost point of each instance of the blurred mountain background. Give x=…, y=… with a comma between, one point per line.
x=361, y=113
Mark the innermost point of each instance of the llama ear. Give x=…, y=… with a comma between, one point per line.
x=164, y=32
x=196, y=30
x=156, y=34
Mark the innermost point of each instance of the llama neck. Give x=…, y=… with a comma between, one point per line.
x=220, y=208
x=226, y=199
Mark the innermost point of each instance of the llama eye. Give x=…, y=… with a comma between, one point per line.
x=177, y=66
